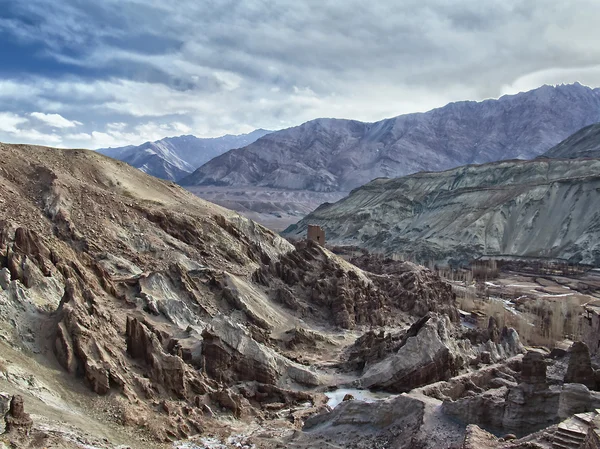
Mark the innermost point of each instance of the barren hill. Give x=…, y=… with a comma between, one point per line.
x=135, y=311
x=585, y=143
x=539, y=208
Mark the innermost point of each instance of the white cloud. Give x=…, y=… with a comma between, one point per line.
x=167, y=71
x=35, y=136
x=55, y=120
x=10, y=122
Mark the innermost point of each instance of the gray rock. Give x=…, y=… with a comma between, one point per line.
x=577, y=398
x=580, y=368
x=230, y=353
x=4, y=278
x=426, y=357
x=394, y=421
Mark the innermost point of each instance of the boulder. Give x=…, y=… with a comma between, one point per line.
x=577, y=398
x=426, y=356
x=477, y=438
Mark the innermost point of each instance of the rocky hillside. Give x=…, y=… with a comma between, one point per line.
x=338, y=155
x=173, y=158
x=541, y=208
x=136, y=313
x=585, y=143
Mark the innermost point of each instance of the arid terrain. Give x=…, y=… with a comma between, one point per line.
x=138, y=315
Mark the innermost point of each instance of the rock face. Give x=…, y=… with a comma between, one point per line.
x=339, y=155
x=16, y=420
x=580, y=366
x=538, y=208
x=533, y=371
x=173, y=158
x=522, y=408
x=388, y=423
x=230, y=354
x=424, y=356
x=313, y=282
x=585, y=143
x=429, y=351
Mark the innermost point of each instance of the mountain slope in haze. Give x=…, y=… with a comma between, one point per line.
x=585, y=143
x=338, y=155
x=539, y=208
x=172, y=158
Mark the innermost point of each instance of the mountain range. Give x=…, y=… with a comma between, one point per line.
x=327, y=155
x=541, y=208
x=172, y=158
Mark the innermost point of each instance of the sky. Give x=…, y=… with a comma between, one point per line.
x=90, y=74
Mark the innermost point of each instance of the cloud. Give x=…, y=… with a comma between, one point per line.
x=10, y=122
x=127, y=71
x=14, y=128
x=55, y=120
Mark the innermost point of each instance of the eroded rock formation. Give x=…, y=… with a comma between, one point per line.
x=16, y=420
x=532, y=404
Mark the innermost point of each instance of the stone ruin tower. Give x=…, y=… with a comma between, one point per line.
x=316, y=234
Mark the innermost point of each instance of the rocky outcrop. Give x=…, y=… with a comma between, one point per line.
x=477, y=438
x=431, y=350
x=531, y=405
x=413, y=288
x=230, y=354
x=580, y=368
x=313, y=282
x=388, y=423
x=533, y=370
x=427, y=355
x=16, y=420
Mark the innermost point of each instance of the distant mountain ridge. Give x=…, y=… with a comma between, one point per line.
x=172, y=158
x=546, y=207
x=338, y=155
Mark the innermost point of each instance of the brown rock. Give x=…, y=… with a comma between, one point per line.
x=580, y=369
x=16, y=419
x=477, y=438
x=533, y=369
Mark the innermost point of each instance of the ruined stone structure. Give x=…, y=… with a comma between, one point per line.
x=316, y=234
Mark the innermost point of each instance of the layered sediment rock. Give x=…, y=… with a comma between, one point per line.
x=230, y=354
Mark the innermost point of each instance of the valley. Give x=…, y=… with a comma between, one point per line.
x=273, y=225
x=172, y=322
